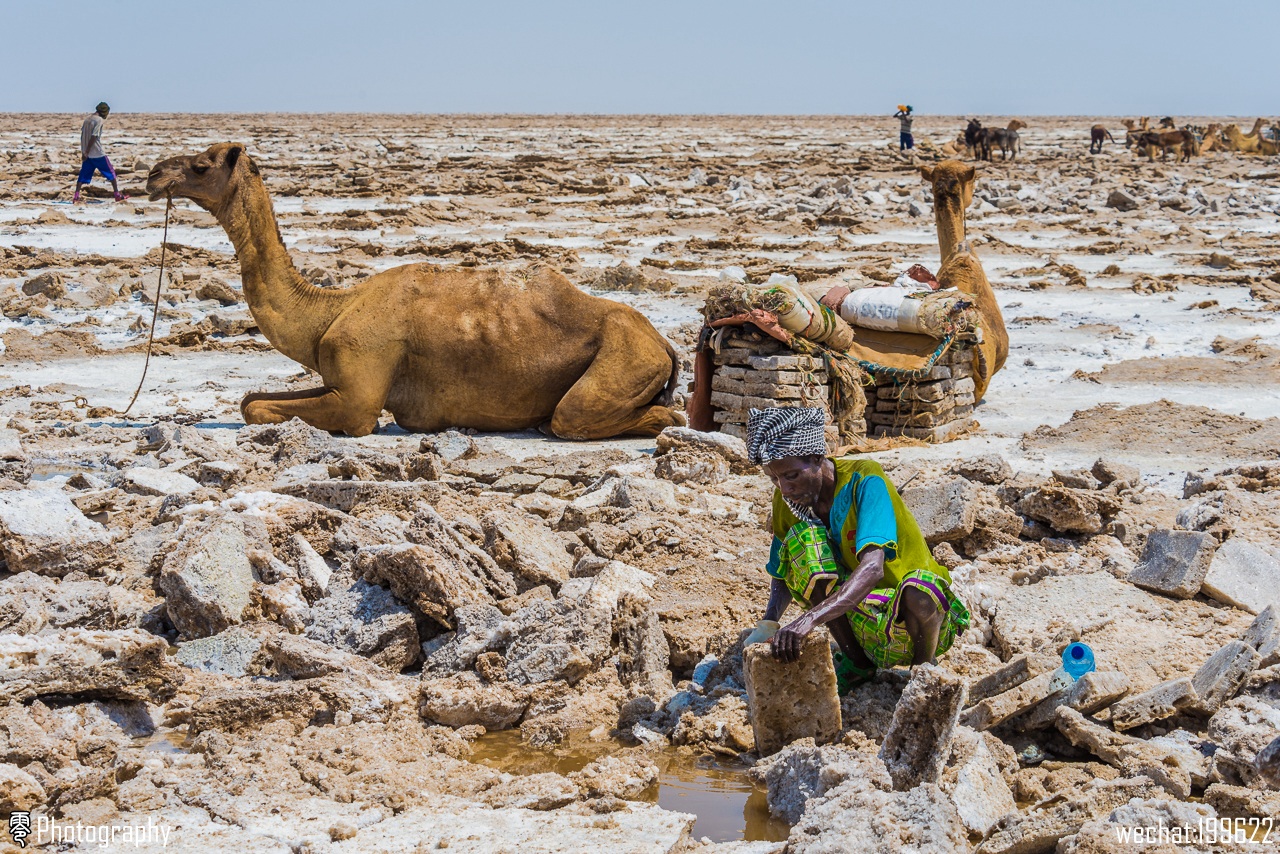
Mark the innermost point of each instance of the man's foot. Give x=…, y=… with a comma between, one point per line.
x=120, y=197
x=75, y=200
x=849, y=675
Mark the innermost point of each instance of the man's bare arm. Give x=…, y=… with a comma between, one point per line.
x=787, y=642
x=779, y=600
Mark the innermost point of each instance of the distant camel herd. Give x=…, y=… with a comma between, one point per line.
x=978, y=142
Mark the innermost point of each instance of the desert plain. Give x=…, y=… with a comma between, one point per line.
x=274, y=638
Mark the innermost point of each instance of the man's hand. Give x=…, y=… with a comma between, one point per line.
x=789, y=639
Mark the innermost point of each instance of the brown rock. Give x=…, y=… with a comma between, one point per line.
x=1162, y=701
x=465, y=699
x=527, y=549
x=128, y=665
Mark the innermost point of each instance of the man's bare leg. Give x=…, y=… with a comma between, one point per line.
x=924, y=622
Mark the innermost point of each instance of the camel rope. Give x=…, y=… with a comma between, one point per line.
x=155, y=308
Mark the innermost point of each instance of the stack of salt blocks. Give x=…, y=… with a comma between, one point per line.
x=935, y=408
x=764, y=374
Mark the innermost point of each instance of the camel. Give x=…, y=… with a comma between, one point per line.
x=438, y=348
x=1133, y=130
x=956, y=147
x=1098, y=134
x=1006, y=138
x=953, y=184
x=1245, y=143
x=972, y=131
x=1211, y=139
x=1270, y=147
x=1184, y=140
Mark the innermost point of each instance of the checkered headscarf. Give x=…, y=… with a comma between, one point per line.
x=773, y=434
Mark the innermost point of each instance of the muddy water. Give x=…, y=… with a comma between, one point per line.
x=715, y=789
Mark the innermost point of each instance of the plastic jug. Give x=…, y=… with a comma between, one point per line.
x=1077, y=659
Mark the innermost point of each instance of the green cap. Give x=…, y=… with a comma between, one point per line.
x=102, y=105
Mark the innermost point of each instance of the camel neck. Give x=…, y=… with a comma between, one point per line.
x=292, y=313
x=950, y=219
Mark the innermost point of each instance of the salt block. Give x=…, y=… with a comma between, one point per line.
x=1132, y=756
x=918, y=742
x=787, y=701
x=1243, y=575
x=1154, y=704
x=1264, y=636
x=944, y=510
x=1219, y=678
x=1091, y=692
x=1174, y=562
x=1001, y=707
x=1019, y=669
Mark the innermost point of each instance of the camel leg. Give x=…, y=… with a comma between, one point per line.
x=350, y=404
x=279, y=395
x=614, y=397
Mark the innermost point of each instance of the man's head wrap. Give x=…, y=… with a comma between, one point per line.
x=773, y=434
x=102, y=106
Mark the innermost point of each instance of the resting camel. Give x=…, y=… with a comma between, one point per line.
x=1184, y=140
x=1246, y=143
x=437, y=347
x=1211, y=139
x=953, y=183
x=1098, y=134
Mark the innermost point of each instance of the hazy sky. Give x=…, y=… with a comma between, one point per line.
x=1092, y=57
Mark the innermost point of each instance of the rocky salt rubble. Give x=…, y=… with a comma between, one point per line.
x=326, y=629
x=322, y=626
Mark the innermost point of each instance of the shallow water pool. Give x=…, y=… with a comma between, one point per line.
x=716, y=789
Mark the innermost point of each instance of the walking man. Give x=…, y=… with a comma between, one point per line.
x=92, y=157
x=905, y=140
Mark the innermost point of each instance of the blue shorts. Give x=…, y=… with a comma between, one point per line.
x=905, y=140
x=101, y=164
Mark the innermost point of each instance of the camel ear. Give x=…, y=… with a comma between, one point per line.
x=969, y=174
x=926, y=172
x=233, y=155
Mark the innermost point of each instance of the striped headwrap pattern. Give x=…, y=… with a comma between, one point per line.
x=774, y=434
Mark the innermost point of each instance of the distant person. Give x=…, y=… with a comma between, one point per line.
x=905, y=139
x=92, y=157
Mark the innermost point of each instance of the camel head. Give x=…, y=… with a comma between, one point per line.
x=951, y=179
x=209, y=178
x=1017, y=124
x=1130, y=124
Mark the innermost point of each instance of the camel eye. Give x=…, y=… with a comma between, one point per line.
x=199, y=168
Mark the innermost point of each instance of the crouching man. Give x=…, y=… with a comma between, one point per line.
x=849, y=552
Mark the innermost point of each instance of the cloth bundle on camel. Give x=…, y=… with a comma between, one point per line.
x=899, y=333
x=785, y=310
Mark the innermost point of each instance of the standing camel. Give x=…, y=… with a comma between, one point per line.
x=1098, y=134
x=953, y=184
x=1005, y=138
x=1133, y=130
x=438, y=348
x=1184, y=140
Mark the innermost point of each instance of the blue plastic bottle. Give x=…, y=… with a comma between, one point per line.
x=1077, y=660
